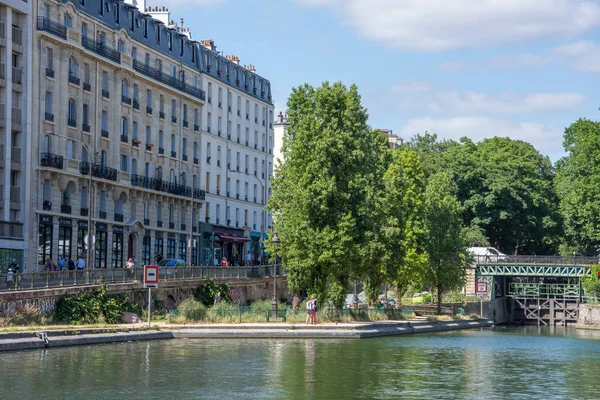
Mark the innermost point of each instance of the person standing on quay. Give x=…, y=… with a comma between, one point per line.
x=309, y=311
x=314, y=310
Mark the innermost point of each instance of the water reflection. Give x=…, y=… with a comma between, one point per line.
x=494, y=363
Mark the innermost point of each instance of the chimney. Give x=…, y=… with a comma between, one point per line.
x=209, y=44
x=233, y=59
x=250, y=68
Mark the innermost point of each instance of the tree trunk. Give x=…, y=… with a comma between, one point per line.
x=439, y=299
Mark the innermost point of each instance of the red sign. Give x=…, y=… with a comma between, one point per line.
x=150, y=276
x=482, y=287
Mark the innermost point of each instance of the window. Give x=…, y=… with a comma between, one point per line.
x=159, y=211
x=124, y=128
x=174, y=108
x=134, y=52
x=158, y=245
x=136, y=94
x=64, y=241
x=145, y=27
x=48, y=104
x=124, y=88
x=181, y=48
x=170, y=40
x=146, y=243
x=124, y=163
x=73, y=68
x=68, y=21
x=162, y=104
x=173, y=143
x=182, y=248
x=148, y=134
x=121, y=46
x=72, y=112
x=149, y=98
x=117, y=247
x=86, y=114
x=45, y=241
x=134, y=130
x=104, y=121
x=101, y=249
x=81, y=248
x=105, y=80
x=131, y=21
x=49, y=58
x=195, y=149
x=161, y=139
x=86, y=73
x=170, y=248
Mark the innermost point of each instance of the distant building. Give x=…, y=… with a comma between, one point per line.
x=394, y=141
x=280, y=127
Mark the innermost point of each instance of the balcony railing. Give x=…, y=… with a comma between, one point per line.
x=83, y=211
x=171, y=225
x=87, y=86
x=85, y=127
x=125, y=100
x=49, y=117
x=72, y=122
x=183, y=227
x=168, y=80
x=74, y=80
x=165, y=187
x=174, y=119
x=104, y=133
x=185, y=123
x=98, y=171
x=196, y=127
x=17, y=35
x=161, y=114
x=102, y=214
x=52, y=161
x=124, y=139
x=148, y=110
x=49, y=72
x=47, y=205
x=118, y=217
x=101, y=49
x=199, y=194
x=173, y=154
x=11, y=230
x=65, y=209
x=45, y=24
x=136, y=104
x=161, y=150
x=195, y=160
x=146, y=221
x=159, y=224
x=105, y=94
x=148, y=147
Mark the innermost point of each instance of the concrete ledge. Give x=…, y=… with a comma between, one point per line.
x=88, y=336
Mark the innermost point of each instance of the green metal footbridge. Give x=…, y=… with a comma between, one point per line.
x=542, y=289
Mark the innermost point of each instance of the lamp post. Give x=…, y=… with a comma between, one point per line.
x=275, y=241
x=89, y=199
x=191, y=232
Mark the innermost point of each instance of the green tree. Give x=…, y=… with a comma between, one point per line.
x=578, y=186
x=323, y=192
x=447, y=257
x=401, y=219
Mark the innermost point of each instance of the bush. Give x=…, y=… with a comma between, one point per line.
x=92, y=307
x=224, y=312
x=192, y=310
x=206, y=292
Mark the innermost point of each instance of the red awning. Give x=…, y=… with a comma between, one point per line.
x=229, y=238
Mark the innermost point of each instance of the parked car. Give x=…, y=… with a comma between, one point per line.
x=167, y=266
x=487, y=254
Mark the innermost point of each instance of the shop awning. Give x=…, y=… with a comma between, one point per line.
x=229, y=238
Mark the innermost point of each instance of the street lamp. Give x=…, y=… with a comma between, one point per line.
x=89, y=199
x=191, y=233
x=275, y=242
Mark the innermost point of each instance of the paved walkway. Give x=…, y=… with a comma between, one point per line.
x=73, y=336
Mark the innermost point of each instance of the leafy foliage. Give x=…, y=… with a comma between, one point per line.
x=207, y=291
x=193, y=310
x=323, y=192
x=578, y=186
x=91, y=307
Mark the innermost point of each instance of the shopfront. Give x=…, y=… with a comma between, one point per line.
x=231, y=244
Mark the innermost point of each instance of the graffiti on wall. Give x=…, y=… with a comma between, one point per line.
x=234, y=293
x=46, y=305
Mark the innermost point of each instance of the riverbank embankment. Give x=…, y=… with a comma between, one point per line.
x=49, y=338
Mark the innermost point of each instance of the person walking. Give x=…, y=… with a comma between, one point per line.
x=248, y=259
x=314, y=310
x=71, y=267
x=309, y=312
x=224, y=262
x=217, y=298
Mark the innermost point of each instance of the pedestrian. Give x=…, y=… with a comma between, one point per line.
x=224, y=262
x=71, y=267
x=61, y=263
x=314, y=310
x=217, y=298
x=80, y=264
x=309, y=313
x=49, y=264
x=10, y=282
x=158, y=257
x=248, y=259
x=130, y=264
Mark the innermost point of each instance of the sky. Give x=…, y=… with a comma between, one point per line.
x=525, y=69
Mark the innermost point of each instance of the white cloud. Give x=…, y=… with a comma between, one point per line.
x=420, y=98
x=546, y=139
x=452, y=24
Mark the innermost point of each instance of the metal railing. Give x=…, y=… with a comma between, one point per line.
x=101, y=49
x=536, y=259
x=168, y=80
x=98, y=171
x=69, y=278
x=17, y=35
x=45, y=24
x=542, y=290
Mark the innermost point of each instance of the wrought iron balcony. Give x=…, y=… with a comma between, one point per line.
x=45, y=24
x=118, y=217
x=184, y=157
x=136, y=104
x=168, y=80
x=124, y=139
x=171, y=225
x=72, y=122
x=52, y=161
x=85, y=127
x=185, y=123
x=65, y=209
x=146, y=221
x=98, y=171
x=148, y=110
x=49, y=73
x=161, y=150
x=47, y=205
x=173, y=119
x=83, y=211
x=101, y=49
x=161, y=114
x=74, y=80
x=135, y=143
x=173, y=154
x=196, y=160
x=87, y=86
x=183, y=227
x=196, y=127
x=159, y=224
x=49, y=117
x=105, y=94
x=102, y=214
x=199, y=194
x=104, y=133
x=148, y=147
x=125, y=100
x=160, y=185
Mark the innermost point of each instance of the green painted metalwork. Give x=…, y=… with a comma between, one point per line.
x=567, y=271
x=543, y=290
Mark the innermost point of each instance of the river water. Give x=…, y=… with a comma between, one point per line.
x=498, y=363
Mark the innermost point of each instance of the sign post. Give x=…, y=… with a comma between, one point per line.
x=150, y=281
x=482, y=289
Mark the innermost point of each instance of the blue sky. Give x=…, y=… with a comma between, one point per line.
x=519, y=68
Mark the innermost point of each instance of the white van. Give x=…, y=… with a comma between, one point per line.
x=487, y=254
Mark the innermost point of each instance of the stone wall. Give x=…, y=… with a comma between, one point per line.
x=589, y=315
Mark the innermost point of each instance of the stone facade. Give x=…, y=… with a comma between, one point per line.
x=134, y=101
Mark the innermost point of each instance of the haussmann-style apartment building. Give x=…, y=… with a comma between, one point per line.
x=178, y=139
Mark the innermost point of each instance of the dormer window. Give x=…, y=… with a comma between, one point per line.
x=170, y=40
x=157, y=33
